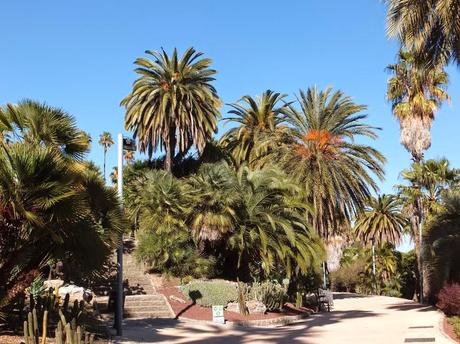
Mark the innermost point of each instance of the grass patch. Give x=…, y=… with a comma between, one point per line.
x=455, y=322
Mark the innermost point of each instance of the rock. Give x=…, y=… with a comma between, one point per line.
x=256, y=307
x=233, y=307
x=178, y=299
x=55, y=283
x=76, y=293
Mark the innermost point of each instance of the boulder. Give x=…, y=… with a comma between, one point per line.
x=76, y=293
x=54, y=283
x=256, y=307
x=233, y=307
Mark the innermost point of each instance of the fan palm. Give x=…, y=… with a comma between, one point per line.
x=429, y=27
x=416, y=93
x=128, y=155
x=335, y=171
x=53, y=205
x=260, y=121
x=106, y=141
x=381, y=221
x=173, y=104
x=36, y=123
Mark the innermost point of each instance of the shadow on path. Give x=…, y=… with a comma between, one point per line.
x=174, y=331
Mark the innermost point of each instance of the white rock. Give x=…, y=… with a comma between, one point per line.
x=233, y=307
x=256, y=307
x=76, y=293
x=55, y=283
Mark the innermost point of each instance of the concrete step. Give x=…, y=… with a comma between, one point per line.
x=151, y=297
x=162, y=314
x=152, y=309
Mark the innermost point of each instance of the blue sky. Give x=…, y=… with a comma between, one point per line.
x=78, y=55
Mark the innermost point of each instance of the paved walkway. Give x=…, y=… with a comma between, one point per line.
x=354, y=320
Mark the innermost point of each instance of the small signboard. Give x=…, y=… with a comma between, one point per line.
x=218, y=314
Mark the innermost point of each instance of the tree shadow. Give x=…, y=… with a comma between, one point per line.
x=409, y=306
x=177, y=331
x=194, y=295
x=344, y=295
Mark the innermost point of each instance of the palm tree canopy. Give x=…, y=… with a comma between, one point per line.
x=259, y=121
x=416, y=92
x=106, y=140
x=38, y=123
x=336, y=172
x=172, y=101
x=381, y=221
x=430, y=27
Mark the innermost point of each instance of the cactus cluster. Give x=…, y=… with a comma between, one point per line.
x=66, y=332
x=272, y=294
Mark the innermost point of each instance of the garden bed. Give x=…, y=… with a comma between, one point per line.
x=449, y=330
x=189, y=310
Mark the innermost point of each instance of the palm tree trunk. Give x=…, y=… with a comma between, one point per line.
x=170, y=149
x=105, y=156
x=416, y=222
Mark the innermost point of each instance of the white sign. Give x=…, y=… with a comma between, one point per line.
x=218, y=314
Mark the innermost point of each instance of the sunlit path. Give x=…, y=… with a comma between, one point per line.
x=373, y=319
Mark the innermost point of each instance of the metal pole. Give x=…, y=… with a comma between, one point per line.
x=324, y=276
x=373, y=266
x=420, y=265
x=119, y=309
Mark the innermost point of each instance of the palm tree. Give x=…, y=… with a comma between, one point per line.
x=272, y=232
x=336, y=172
x=429, y=27
x=381, y=221
x=416, y=93
x=433, y=178
x=37, y=123
x=259, y=121
x=106, y=141
x=128, y=155
x=173, y=104
x=441, y=245
x=49, y=208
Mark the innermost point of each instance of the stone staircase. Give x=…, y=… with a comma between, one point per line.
x=141, y=300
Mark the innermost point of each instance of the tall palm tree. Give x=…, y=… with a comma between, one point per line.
x=416, y=92
x=429, y=27
x=260, y=121
x=173, y=104
x=336, y=172
x=381, y=221
x=106, y=141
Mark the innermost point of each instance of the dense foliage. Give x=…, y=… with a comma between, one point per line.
x=53, y=205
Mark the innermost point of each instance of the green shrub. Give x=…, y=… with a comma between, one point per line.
x=271, y=293
x=349, y=278
x=455, y=322
x=173, y=253
x=208, y=293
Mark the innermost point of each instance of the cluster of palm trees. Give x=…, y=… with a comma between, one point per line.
x=54, y=205
x=429, y=36
x=312, y=143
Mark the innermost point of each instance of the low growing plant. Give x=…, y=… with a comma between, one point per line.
x=208, y=293
x=455, y=322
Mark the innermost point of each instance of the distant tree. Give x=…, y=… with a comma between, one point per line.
x=128, y=155
x=173, y=105
x=106, y=141
x=382, y=221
